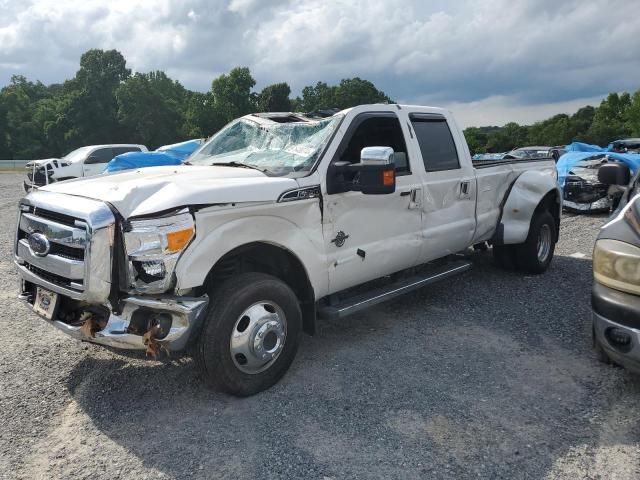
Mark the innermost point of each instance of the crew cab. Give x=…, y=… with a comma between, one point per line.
x=278, y=220
x=615, y=297
x=81, y=162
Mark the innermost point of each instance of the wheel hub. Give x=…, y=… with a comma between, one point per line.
x=258, y=337
x=544, y=242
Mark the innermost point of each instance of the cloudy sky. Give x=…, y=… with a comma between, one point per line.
x=491, y=61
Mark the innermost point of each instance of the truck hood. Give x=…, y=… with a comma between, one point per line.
x=39, y=163
x=156, y=189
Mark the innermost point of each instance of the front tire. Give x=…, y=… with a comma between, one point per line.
x=535, y=254
x=250, y=335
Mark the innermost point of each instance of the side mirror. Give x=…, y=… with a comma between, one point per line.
x=614, y=173
x=376, y=172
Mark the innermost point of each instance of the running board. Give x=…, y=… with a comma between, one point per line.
x=379, y=295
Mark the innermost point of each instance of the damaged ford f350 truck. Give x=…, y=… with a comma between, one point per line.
x=279, y=219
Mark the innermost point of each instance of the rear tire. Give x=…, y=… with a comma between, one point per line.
x=535, y=254
x=250, y=334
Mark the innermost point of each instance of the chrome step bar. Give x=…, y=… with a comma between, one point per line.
x=357, y=303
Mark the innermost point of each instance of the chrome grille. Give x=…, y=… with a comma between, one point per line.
x=80, y=237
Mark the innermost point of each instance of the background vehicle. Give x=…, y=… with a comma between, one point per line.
x=583, y=192
x=615, y=296
x=578, y=175
x=278, y=219
x=82, y=162
x=627, y=145
x=173, y=154
x=529, y=152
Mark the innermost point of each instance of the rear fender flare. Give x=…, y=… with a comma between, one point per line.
x=523, y=198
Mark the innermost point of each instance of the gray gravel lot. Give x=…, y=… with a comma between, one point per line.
x=488, y=376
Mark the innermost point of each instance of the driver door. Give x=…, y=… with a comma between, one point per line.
x=369, y=236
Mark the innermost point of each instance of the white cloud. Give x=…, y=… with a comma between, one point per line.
x=518, y=58
x=500, y=110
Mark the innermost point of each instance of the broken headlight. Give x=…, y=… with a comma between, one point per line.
x=616, y=264
x=153, y=247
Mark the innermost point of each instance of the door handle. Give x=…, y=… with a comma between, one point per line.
x=406, y=193
x=464, y=187
x=416, y=200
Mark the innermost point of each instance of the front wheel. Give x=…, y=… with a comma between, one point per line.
x=250, y=335
x=535, y=254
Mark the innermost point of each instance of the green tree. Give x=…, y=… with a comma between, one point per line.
x=609, y=120
x=274, y=98
x=349, y=93
x=92, y=102
x=632, y=115
x=232, y=97
x=355, y=91
x=201, y=117
x=150, y=107
x=476, y=139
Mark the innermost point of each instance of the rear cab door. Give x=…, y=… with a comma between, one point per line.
x=449, y=184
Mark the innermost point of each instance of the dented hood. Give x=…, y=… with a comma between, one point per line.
x=155, y=189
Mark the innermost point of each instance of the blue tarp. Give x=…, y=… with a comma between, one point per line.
x=182, y=149
x=166, y=155
x=571, y=158
x=584, y=147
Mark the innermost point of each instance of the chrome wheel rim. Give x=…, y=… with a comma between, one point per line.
x=544, y=242
x=258, y=337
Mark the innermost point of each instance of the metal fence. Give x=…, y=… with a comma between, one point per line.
x=12, y=164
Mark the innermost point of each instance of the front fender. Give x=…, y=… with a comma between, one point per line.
x=218, y=238
x=525, y=195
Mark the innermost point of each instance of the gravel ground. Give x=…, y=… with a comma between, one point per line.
x=490, y=376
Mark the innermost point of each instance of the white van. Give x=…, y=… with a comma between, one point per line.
x=82, y=162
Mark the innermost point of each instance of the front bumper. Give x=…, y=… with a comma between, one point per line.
x=629, y=359
x=600, y=205
x=617, y=310
x=185, y=315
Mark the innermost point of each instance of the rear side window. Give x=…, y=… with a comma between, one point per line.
x=102, y=155
x=436, y=144
x=120, y=150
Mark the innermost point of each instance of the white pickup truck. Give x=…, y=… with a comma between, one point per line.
x=81, y=162
x=277, y=220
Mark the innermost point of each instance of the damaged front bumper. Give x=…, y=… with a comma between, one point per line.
x=180, y=317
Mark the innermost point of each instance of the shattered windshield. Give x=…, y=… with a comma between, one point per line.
x=275, y=148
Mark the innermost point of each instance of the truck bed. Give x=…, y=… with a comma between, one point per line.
x=494, y=178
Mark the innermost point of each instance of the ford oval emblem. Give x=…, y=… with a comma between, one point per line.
x=39, y=244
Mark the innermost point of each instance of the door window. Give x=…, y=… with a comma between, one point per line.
x=436, y=143
x=378, y=131
x=121, y=150
x=102, y=155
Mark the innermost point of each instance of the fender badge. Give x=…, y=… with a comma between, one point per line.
x=340, y=239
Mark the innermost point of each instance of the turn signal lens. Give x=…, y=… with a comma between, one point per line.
x=388, y=177
x=176, y=241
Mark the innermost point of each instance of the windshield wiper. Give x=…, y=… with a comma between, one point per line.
x=240, y=165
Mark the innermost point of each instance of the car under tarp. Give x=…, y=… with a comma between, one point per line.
x=173, y=154
x=570, y=159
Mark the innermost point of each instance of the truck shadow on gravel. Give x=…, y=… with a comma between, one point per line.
x=490, y=375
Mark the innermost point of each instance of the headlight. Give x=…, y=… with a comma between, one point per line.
x=631, y=217
x=617, y=265
x=153, y=248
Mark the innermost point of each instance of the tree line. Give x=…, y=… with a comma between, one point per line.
x=105, y=103
x=617, y=116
